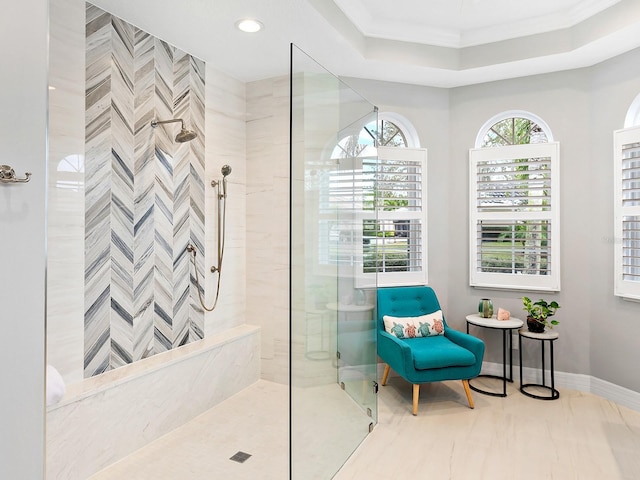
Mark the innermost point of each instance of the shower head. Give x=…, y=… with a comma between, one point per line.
x=183, y=136
x=226, y=170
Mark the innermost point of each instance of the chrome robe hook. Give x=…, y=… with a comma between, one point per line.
x=8, y=175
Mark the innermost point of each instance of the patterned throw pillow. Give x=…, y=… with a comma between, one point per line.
x=410, y=327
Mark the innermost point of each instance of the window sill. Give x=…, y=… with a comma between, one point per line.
x=514, y=288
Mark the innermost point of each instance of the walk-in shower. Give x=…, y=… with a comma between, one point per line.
x=127, y=197
x=124, y=325
x=222, y=227
x=183, y=135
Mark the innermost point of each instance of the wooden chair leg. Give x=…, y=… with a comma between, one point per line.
x=416, y=397
x=467, y=390
x=385, y=375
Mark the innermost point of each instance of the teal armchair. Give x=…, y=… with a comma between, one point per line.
x=451, y=356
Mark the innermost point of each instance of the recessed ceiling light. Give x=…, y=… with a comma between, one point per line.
x=51, y=87
x=249, y=25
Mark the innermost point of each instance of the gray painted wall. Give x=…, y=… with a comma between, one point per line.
x=615, y=323
x=562, y=101
x=598, y=333
x=23, y=95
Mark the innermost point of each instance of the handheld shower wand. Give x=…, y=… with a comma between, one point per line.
x=226, y=170
x=222, y=228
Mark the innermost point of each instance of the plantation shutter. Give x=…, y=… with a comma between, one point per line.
x=514, y=216
x=627, y=212
x=373, y=217
x=393, y=223
x=349, y=189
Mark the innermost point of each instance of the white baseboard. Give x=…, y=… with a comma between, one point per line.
x=572, y=381
x=620, y=395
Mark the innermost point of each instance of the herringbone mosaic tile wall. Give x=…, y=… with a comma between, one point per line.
x=144, y=197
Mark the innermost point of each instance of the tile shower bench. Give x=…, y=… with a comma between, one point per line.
x=105, y=418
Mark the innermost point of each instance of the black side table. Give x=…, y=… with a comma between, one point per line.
x=506, y=326
x=541, y=337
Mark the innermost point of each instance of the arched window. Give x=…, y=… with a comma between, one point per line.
x=385, y=189
x=514, y=127
x=627, y=205
x=391, y=130
x=394, y=130
x=514, y=212
x=390, y=135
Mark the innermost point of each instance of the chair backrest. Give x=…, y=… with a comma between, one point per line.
x=406, y=302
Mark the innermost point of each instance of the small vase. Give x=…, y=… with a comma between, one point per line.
x=534, y=326
x=485, y=308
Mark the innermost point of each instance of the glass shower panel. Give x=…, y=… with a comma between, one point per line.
x=354, y=191
x=333, y=349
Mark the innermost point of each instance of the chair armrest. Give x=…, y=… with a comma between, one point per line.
x=395, y=352
x=471, y=343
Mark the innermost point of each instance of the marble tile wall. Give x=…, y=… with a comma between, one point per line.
x=268, y=221
x=144, y=194
x=225, y=132
x=226, y=139
x=65, y=227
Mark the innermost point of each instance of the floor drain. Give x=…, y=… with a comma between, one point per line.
x=240, y=457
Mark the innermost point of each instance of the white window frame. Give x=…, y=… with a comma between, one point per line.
x=388, y=279
x=513, y=281
x=632, y=119
x=407, y=128
x=622, y=288
x=512, y=114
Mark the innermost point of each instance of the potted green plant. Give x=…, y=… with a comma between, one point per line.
x=538, y=314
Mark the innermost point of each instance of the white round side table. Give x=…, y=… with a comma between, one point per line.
x=506, y=326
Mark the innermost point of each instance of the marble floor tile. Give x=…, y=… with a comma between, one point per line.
x=579, y=436
x=254, y=421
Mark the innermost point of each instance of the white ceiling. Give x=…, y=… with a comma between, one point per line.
x=444, y=43
x=464, y=23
